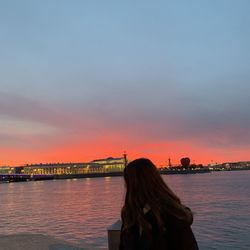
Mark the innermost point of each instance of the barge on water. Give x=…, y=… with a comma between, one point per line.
x=24, y=177
x=185, y=171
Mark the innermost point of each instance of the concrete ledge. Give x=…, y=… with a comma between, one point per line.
x=114, y=235
x=34, y=242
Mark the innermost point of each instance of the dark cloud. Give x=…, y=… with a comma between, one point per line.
x=213, y=116
x=63, y=124
x=17, y=106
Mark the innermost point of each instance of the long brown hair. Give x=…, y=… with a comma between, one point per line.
x=145, y=187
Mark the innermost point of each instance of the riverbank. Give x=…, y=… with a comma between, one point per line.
x=6, y=178
x=33, y=177
x=34, y=242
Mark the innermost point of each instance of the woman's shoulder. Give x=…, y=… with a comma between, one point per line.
x=171, y=220
x=180, y=232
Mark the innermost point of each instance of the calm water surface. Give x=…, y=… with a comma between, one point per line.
x=80, y=210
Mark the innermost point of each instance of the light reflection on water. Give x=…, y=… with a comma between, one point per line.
x=80, y=210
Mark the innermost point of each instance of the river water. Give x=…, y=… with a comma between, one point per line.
x=80, y=210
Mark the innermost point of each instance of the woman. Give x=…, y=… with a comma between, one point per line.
x=153, y=217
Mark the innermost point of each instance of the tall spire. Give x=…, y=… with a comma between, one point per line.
x=169, y=162
x=125, y=158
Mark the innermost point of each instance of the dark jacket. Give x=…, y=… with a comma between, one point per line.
x=177, y=236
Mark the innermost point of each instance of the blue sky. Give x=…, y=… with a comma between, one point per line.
x=135, y=75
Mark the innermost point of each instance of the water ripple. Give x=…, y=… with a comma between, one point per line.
x=79, y=211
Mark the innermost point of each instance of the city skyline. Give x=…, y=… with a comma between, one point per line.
x=86, y=80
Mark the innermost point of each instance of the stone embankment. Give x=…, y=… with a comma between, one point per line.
x=34, y=242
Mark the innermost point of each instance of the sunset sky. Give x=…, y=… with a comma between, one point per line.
x=81, y=80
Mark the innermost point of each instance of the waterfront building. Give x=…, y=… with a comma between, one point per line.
x=107, y=165
x=241, y=165
x=235, y=165
x=110, y=164
x=5, y=170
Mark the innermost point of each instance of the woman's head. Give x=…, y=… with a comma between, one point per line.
x=143, y=181
x=145, y=186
